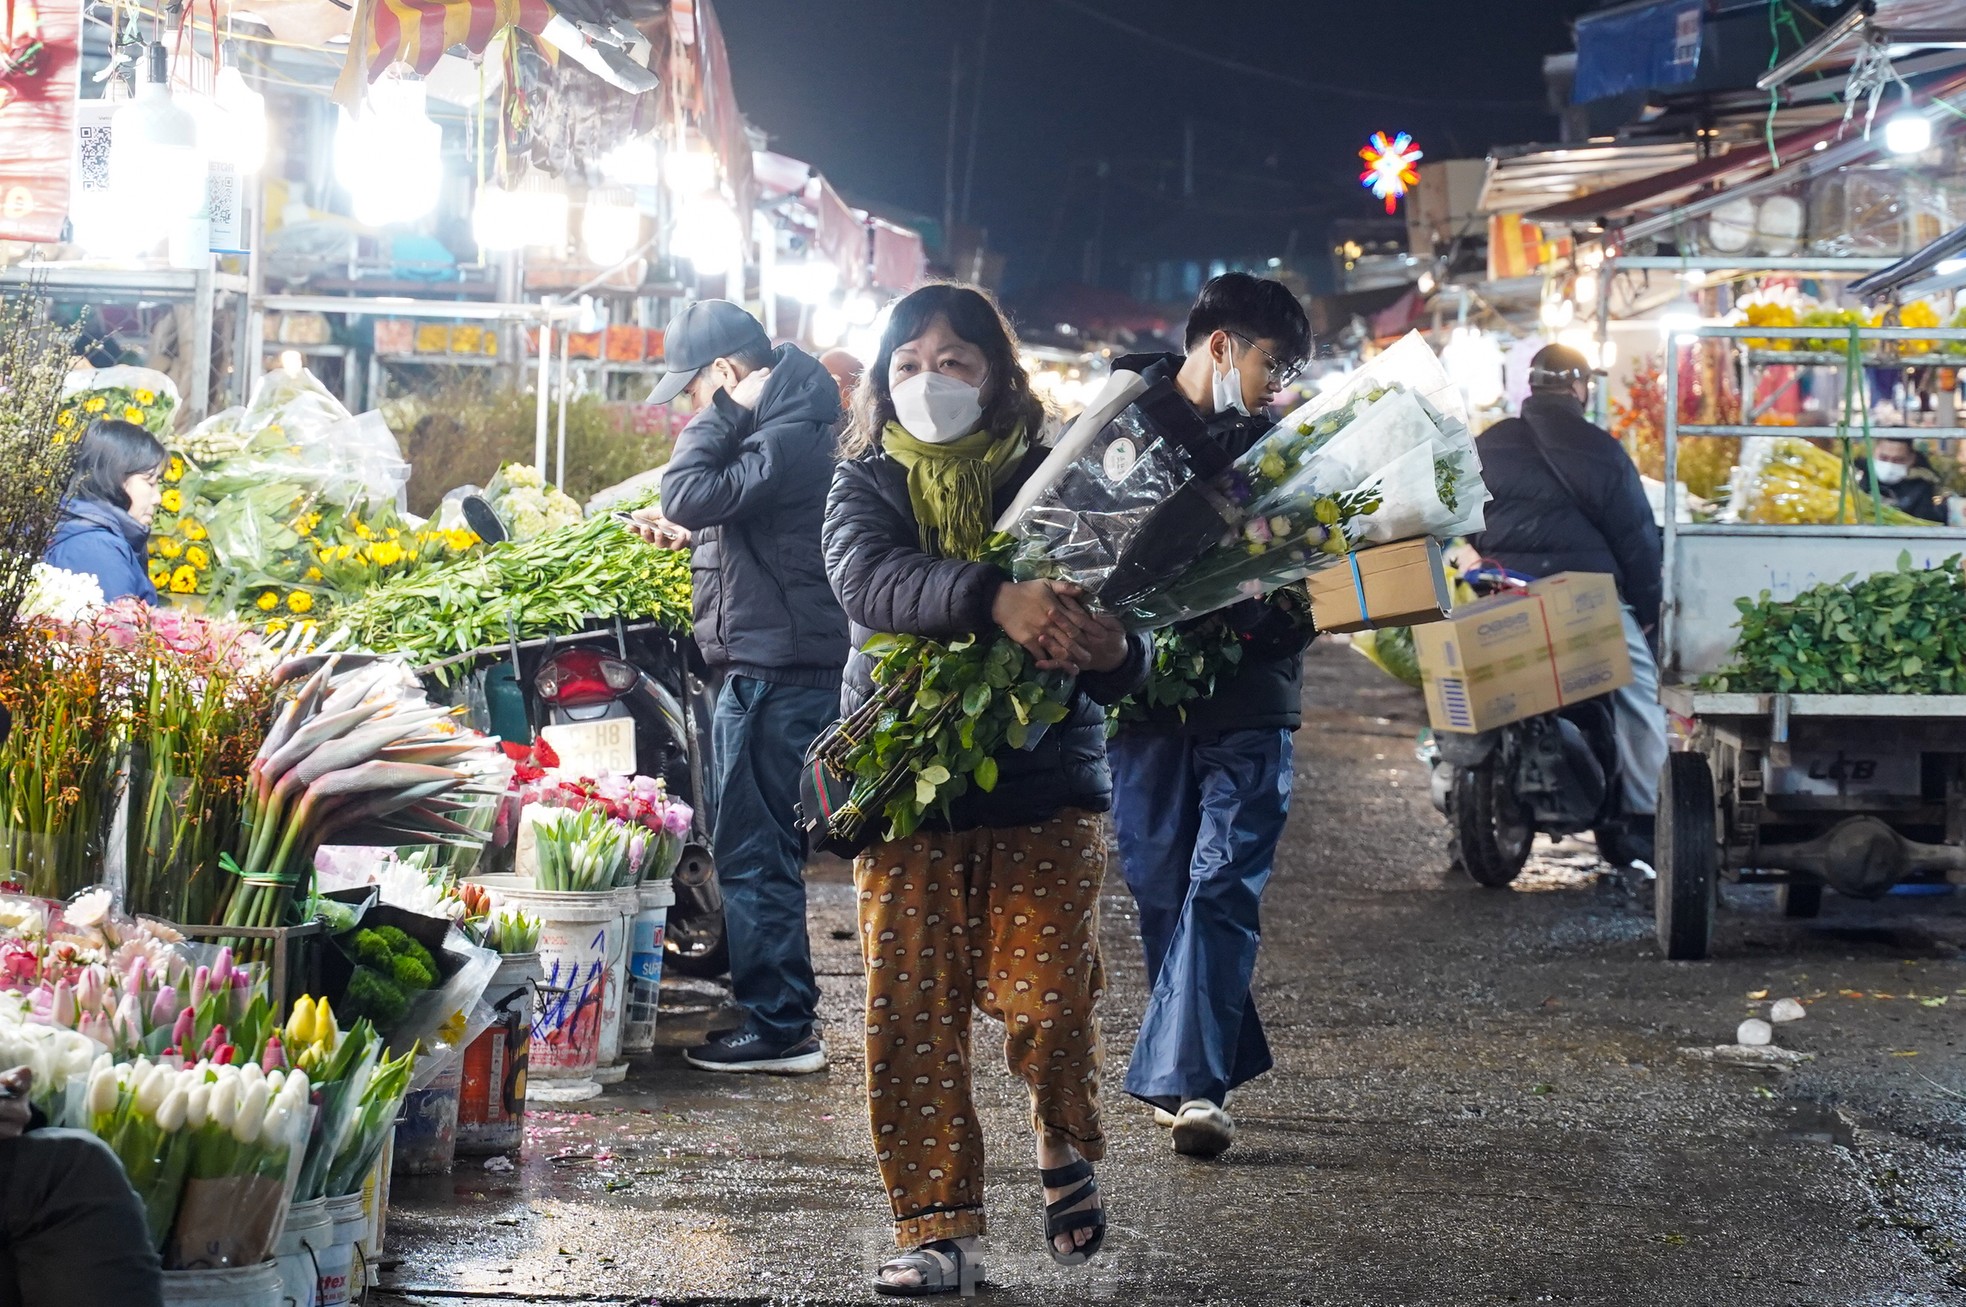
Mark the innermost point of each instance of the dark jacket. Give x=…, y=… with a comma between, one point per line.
x=103, y=541
x=751, y=487
x=1602, y=522
x=1265, y=691
x=887, y=583
x=1919, y=494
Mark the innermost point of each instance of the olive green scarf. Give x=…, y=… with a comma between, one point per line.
x=950, y=487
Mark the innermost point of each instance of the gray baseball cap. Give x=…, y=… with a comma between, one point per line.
x=702, y=333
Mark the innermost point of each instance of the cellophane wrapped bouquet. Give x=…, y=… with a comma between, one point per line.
x=1156, y=533
x=596, y=833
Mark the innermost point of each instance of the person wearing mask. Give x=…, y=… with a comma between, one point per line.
x=1203, y=788
x=745, y=491
x=994, y=905
x=1567, y=498
x=104, y=530
x=71, y=1228
x=1906, y=478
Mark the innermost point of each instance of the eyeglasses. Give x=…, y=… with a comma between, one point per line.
x=1281, y=373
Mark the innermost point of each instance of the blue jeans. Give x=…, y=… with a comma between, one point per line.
x=1198, y=820
x=761, y=732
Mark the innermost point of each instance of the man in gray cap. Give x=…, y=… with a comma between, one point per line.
x=745, y=491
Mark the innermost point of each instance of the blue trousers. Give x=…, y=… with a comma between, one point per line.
x=1198, y=820
x=761, y=732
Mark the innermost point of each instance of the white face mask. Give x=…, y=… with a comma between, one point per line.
x=1889, y=474
x=1228, y=387
x=936, y=408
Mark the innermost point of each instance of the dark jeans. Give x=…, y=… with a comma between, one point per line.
x=1198, y=819
x=762, y=732
x=71, y=1229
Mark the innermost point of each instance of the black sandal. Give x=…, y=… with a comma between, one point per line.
x=1059, y=1218
x=943, y=1267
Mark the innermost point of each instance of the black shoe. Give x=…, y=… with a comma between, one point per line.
x=746, y=1050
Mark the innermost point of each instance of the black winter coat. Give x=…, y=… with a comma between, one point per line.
x=1265, y=691
x=1601, y=523
x=751, y=487
x=887, y=583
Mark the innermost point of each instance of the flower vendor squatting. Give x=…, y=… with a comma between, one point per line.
x=1201, y=789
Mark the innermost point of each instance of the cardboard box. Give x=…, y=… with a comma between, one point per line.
x=1401, y=584
x=1515, y=656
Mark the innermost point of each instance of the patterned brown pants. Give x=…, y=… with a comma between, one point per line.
x=1007, y=921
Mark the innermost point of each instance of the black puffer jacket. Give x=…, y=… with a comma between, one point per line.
x=1265, y=691
x=751, y=487
x=1600, y=522
x=887, y=583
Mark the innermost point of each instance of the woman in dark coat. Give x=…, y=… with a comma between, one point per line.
x=104, y=529
x=996, y=905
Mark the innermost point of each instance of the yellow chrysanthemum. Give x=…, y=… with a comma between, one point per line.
x=160, y=577
x=362, y=530
x=197, y=557
x=386, y=553
x=300, y=601
x=65, y=418
x=173, y=500
x=275, y=625
x=192, y=528
x=95, y=405
x=131, y=413
x=267, y=601
x=174, y=470
x=183, y=581
x=146, y=397
x=166, y=546
x=313, y=573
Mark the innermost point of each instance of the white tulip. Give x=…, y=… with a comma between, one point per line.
x=155, y=1083
x=225, y=1101
x=273, y=1079
x=103, y=1090
x=252, y=1073
x=198, y=1105
x=296, y=1090
x=279, y=1119
x=171, y=1112
x=252, y=1113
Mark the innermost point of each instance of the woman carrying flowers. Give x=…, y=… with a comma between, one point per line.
x=993, y=902
x=105, y=523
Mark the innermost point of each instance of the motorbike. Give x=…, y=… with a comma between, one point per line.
x=631, y=698
x=1554, y=774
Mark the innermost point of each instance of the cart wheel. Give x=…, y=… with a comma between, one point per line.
x=1689, y=858
x=1492, y=834
x=1800, y=898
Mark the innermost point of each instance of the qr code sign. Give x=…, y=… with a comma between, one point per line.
x=92, y=146
x=222, y=200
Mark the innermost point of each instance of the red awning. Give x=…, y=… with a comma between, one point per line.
x=899, y=259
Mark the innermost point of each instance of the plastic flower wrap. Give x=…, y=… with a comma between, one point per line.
x=55, y=1054
x=527, y=505
x=581, y=849
x=659, y=824
x=1786, y=480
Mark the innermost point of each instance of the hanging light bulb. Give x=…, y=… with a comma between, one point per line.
x=156, y=165
x=244, y=142
x=1907, y=131
x=707, y=234
x=633, y=163
x=532, y=213
x=861, y=308
x=390, y=158
x=690, y=169
x=610, y=225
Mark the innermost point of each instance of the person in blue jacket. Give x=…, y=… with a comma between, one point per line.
x=105, y=522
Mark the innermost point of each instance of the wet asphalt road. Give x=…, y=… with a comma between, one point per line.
x=1480, y=1098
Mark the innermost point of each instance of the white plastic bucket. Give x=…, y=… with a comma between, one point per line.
x=236, y=1286
x=578, y=936
x=491, y=1104
x=341, y=1276
x=426, y=1137
x=307, y=1234
x=645, y=935
x=609, y=1068
x=375, y=1215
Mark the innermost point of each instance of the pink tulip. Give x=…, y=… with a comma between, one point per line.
x=185, y=1030
x=88, y=988
x=222, y=967
x=133, y=978
x=273, y=1057
x=201, y=983
x=64, y=1005
x=164, y=1010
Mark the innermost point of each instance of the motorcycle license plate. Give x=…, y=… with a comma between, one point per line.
x=590, y=748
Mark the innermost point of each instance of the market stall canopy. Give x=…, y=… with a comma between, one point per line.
x=1530, y=177
x=1940, y=266
x=1901, y=27
x=838, y=232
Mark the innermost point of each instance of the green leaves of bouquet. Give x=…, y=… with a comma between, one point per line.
x=1898, y=632
x=970, y=698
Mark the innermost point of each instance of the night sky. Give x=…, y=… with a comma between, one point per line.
x=860, y=89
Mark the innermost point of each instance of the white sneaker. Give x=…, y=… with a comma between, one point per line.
x=1163, y=1118
x=1202, y=1129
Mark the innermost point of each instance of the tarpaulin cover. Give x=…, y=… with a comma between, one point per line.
x=37, y=116
x=1637, y=49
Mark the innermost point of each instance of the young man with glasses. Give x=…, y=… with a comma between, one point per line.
x=1200, y=790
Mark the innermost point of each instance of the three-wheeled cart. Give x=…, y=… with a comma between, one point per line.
x=1854, y=792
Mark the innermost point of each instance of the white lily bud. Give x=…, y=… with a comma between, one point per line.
x=252, y=1113
x=171, y=1112
x=198, y=1105
x=225, y=1101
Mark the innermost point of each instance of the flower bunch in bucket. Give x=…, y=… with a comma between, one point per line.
x=580, y=849
x=210, y=1148
x=506, y=930
x=341, y=1065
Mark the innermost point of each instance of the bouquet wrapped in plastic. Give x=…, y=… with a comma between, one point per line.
x=1786, y=480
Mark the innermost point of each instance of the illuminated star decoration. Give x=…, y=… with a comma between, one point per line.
x=1389, y=167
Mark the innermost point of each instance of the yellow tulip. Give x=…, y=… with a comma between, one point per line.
x=300, y=1025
